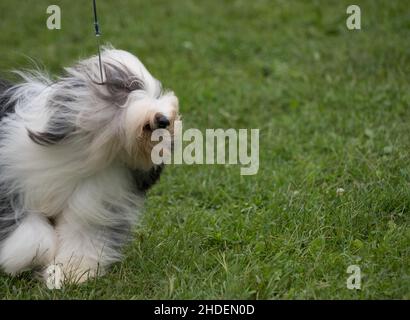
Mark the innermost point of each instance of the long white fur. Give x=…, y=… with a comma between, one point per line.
x=75, y=184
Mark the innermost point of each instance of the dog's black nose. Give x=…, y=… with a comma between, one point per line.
x=162, y=121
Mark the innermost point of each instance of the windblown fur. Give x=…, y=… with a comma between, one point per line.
x=75, y=163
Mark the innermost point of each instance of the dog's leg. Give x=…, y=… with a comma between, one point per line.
x=31, y=244
x=94, y=226
x=83, y=251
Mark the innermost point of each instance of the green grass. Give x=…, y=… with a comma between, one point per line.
x=332, y=107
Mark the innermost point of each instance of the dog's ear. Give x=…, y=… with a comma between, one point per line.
x=119, y=83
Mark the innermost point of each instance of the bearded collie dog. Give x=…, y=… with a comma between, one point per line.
x=75, y=164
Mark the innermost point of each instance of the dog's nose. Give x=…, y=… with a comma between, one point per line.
x=162, y=121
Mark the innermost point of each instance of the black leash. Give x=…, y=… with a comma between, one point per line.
x=98, y=34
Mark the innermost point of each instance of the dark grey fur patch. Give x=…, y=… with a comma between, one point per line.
x=146, y=179
x=45, y=138
x=120, y=233
x=8, y=222
x=5, y=106
x=58, y=127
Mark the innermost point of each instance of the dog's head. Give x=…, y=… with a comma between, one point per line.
x=116, y=115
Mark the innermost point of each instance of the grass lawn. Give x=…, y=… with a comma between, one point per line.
x=332, y=106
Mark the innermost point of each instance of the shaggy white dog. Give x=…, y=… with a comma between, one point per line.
x=75, y=163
